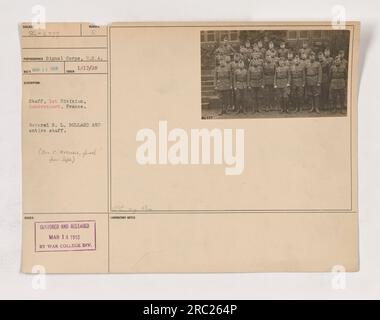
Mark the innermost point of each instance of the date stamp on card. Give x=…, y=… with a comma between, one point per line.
x=65, y=236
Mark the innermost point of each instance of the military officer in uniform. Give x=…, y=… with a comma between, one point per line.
x=223, y=84
x=257, y=54
x=338, y=76
x=271, y=50
x=313, y=82
x=240, y=86
x=255, y=48
x=305, y=50
x=297, y=81
x=269, y=69
x=289, y=62
x=290, y=59
x=255, y=85
x=261, y=49
x=234, y=65
x=342, y=58
x=248, y=45
x=325, y=80
x=266, y=41
x=228, y=61
x=283, y=51
x=224, y=50
x=327, y=54
x=303, y=59
x=282, y=84
x=328, y=62
x=246, y=52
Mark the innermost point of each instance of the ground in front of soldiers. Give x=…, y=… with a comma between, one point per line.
x=215, y=114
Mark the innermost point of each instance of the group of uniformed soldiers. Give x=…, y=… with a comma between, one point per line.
x=256, y=79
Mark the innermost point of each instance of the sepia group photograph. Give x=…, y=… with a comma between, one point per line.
x=274, y=73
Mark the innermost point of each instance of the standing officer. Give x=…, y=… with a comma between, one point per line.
x=325, y=64
x=313, y=82
x=234, y=65
x=329, y=58
x=261, y=49
x=343, y=59
x=223, y=84
x=283, y=51
x=230, y=97
x=297, y=80
x=282, y=84
x=305, y=50
x=269, y=69
x=240, y=87
x=272, y=51
x=225, y=49
x=235, y=62
x=290, y=59
x=247, y=52
x=255, y=85
x=257, y=54
x=328, y=63
x=304, y=59
x=289, y=62
x=338, y=76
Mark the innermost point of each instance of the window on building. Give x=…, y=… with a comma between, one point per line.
x=234, y=36
x=317, y=34
x=326, y=34
x=203, y=36
x=304, y=34
x=211, y=36
x=292, y=35
x=224, y=35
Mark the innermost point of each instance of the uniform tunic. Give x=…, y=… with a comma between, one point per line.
x=223, y=78
x=241, y=79
x=272, y=53
x=313, y=78
x=246, y=54
x=281, y=80
x=224, y=50
x=298, y=78
x=282, y=77
x=283, y=53
x=304, y=62
x=257, y=55
x=297, y=73
x=233, y=66
x=255, y=76
x=289, y=63
x=326, y=65
x=269, y=69
x=338, y=76
x=306, y=51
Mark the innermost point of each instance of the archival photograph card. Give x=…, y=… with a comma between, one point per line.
x=190, y=147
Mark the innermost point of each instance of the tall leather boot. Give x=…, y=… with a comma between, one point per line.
x=311, y=99
x=259, y=105
x=300, y=102
x=281, y=104
x=286, y=104
x=316, y=104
